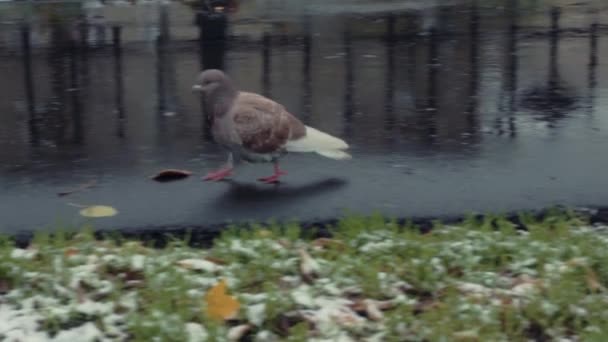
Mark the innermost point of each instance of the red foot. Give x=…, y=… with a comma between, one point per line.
x=218, y=175
x=274, y=178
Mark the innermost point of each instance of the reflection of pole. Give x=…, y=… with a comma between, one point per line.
x=212, y=49
x=390, y=28
x=474, y=77
x=161, y=67
x=29, y=86
x=163, y=22
x=118, y=82
x=592, y=76
x=160, y=76
x=512, y=66
x=431, y=106
x=83, y=27
x=553, y=78
x=77, y=133
x=390, y=73
x=433, y=64
x=55, y=110
x=349, y=77
x=306, y=70
x=266, y=47
x=553, y=55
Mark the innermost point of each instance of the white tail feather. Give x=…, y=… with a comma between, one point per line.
x=314, y=141
x=321, y=143
x=335, y=154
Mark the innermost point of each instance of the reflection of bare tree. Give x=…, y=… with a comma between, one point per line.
x=166, y=81
x=212, y=57
x=52, y=120
x=306, y=68
x=349, y=77
x=390, y=74
x=592, y=73
x=29, y=85
x=471, y=110
x=554, y=100
x=75, y=96
x=510, y=75
x=212, y=24
x=266, y=59
x=118, y=82
x=428, y=112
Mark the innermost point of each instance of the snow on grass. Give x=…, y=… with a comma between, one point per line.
x=372, y=281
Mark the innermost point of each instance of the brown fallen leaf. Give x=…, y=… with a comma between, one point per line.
x=593, y=281
x=131, y=284
x=309, y=267
x=200, y=265
x=236, y=333
x=216, y=260
x=284, y=243
x=169, y=175
x=221, y=306
x=466, y=335
x=5, y=286
x=426, y=305
x=363, y=306
x=81, y=293
x=70, y=251
x=372, y=310
x=77, y=189
x=327, y=243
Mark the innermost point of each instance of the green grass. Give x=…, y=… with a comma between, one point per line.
x=477, y=280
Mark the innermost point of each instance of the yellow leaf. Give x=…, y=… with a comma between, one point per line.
x=263, y=233
x=221, y=306
x=593, y=282
x=98, y=211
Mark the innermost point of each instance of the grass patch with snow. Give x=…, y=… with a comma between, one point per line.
x=373, y=280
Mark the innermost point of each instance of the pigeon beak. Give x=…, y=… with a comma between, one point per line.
x=197, y=88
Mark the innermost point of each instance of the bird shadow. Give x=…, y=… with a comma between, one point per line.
x=248, y=194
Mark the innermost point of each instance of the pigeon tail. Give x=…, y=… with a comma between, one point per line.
x=335, y=154
x=321, y=143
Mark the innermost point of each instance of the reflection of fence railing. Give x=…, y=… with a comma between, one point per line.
x=213, y=48
x=146, y=22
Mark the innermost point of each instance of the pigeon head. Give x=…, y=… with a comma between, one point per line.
x=217, y=91
x=212, y=80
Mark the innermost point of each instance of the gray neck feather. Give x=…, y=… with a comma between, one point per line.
x=219, y=101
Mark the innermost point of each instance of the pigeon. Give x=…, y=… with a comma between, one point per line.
x=255, y=128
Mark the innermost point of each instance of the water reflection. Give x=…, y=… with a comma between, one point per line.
x=389, y=86
x=118, y=82
x=266, y=72
x=509, y=93
x=556, y=99
x=75, y=97
x=29, y=85
x=390, y=82
x=306, y=68
x=592, y=72
x=212, y=30
x=349, y=80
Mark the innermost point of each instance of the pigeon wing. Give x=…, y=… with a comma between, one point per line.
x=263, y=125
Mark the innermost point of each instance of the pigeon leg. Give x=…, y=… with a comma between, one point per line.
x=223, y=172
x=275, y=177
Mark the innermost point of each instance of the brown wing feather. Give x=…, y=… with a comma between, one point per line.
x=263, y=125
